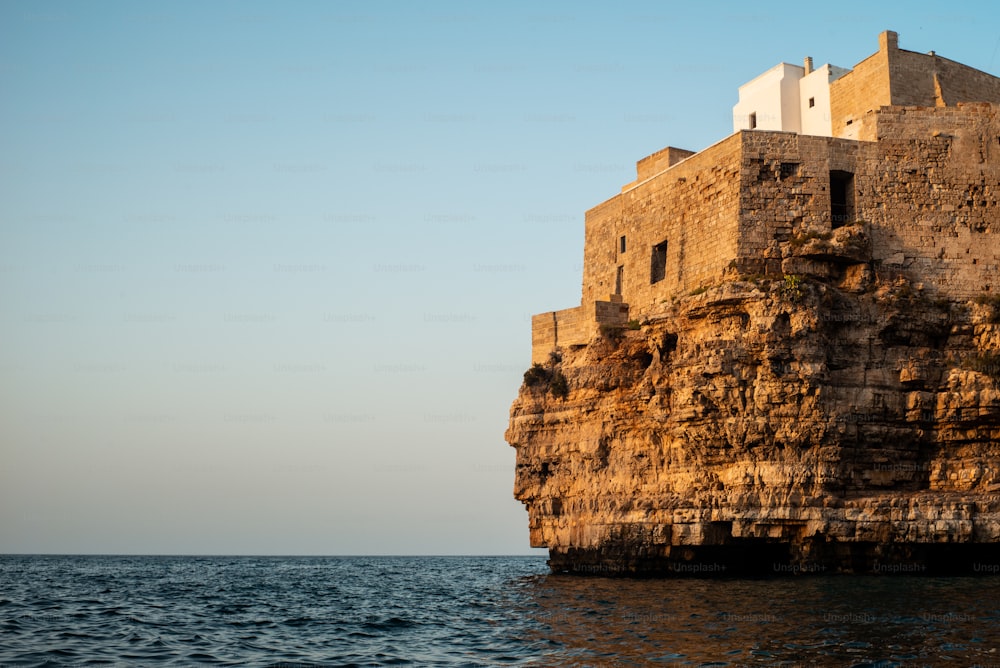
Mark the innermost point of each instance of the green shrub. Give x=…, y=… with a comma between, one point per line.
x=550, y=379
x=792, y=289
x=536, y=375
x=612, y=332
x=558, y=385
x=632, y=325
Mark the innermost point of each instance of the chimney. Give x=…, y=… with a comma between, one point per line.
x=888, y=41
x=809, y=64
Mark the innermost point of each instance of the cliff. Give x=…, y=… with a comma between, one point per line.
x=786, y=355
x=833, y=417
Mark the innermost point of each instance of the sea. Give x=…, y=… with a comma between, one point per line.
x=474, y=611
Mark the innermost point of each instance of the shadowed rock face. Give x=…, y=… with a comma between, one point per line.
x=772, y=426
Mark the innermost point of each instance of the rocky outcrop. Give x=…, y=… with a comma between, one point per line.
x=835, y=420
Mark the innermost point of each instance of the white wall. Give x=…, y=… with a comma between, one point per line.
x=791, y=119
x=816, y=85
x=780, y=98
x=774, y=97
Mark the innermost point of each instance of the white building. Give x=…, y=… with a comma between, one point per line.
x=788, y=98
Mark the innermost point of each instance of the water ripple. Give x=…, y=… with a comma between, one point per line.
x=474, y=611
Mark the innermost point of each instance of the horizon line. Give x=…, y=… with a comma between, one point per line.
x=281, y=556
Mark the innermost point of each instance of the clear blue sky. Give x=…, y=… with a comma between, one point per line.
x=266, y=270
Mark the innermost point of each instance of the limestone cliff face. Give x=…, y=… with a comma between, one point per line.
x=822, y=420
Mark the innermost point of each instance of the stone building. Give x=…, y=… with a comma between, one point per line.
x=892, y=166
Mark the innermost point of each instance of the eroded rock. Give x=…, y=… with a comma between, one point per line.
x=744, y=430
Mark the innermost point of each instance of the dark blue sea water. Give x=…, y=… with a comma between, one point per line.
x=473, y=611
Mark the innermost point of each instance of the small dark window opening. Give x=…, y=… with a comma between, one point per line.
x=753, y=120
x=619, y=277
x=812, y=102
x=789, y=169
x=621, y=245
x=841, y=198
x=658, y=263
x=849, y=121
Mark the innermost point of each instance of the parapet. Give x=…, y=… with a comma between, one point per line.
x=653, y=164
x=573, y=326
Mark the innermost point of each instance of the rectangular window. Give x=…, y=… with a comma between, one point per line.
x=658, y=263
x=621, y=245
x=619, y=278
x=812, y=102
x=789, y=169
x=753, y=120
x=841, y=198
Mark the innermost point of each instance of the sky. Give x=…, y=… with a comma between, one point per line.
x=267, y=269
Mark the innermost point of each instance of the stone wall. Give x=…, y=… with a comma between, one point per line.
x=930, y=188
x=730, y=204
x=600, y=252
x=653, y=164
x=927, y=192
x=692, y=207
x=924, y=184
x=896, y=77
x=786, y=190
x=927, y=187
x=557, y=328
x=927, y=80
x=572, y=326
x=861, y=91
